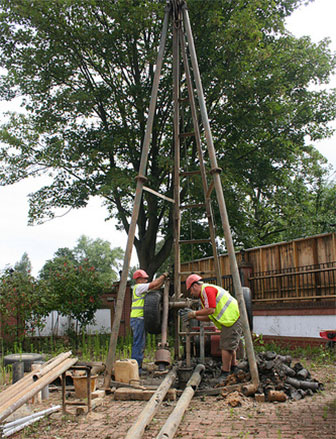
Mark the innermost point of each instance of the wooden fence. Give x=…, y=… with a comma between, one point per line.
x=303, y=269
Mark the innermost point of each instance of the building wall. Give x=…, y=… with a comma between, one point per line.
x=293, y=325
x=59, y=325
x=294, y=320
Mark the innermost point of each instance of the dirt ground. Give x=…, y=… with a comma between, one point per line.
x=207, y=417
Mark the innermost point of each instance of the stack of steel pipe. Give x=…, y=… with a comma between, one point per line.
x=23, y=390
x=15, y=426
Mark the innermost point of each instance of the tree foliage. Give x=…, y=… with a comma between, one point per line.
x=85, y=70
x=95, y=253
x=73, y=290
x=100, y=255
x=76, y=278
x=24, y=265
x=22, y=306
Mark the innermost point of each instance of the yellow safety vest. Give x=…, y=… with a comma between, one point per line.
x=138, y=302
x=226, y=311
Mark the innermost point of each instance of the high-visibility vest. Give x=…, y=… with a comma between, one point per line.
x=138, y=302
x=226, y=311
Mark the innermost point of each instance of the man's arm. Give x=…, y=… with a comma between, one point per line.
x=202, y=314
x=158, y=282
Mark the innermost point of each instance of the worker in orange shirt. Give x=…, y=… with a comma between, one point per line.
x=222, y=309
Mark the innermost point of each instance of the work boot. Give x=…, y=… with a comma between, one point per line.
x=234, y=369
x=223, y=377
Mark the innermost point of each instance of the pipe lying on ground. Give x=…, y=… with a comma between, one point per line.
x=302, y=384
x=28, y=392
x=249, y=389
x=13, y=430
x=48, y=367
x=276, y=395
x=169, y=429
x=28, y=379
x=15, y=426
x=137, y=430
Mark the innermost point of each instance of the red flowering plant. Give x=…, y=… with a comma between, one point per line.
x=74, y=289
x=22, y=306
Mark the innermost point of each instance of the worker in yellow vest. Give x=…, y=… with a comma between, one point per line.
x=222, y=309
x=139, y=290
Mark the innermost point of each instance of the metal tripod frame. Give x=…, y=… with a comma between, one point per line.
x=177, y=11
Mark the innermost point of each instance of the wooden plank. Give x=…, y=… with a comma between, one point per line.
x=293, y=273
x=278, y=258
x=128, y=394
x=285, y=299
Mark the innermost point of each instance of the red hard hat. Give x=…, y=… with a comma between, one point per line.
x=140, y=273
x=192, y=279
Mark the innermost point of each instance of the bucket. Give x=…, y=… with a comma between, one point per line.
x=126, y=371
x=80, y=383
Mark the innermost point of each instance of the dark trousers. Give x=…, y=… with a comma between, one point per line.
x=139, y=340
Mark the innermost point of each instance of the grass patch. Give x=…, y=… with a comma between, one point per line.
x=320, y=355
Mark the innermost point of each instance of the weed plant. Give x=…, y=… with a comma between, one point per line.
x=94, y=347
x=316, y=354
x=6, y=374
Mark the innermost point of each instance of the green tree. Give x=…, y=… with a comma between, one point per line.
x=75, y=278
x=22, y=305
x=73, y=289
x=95, y=252
x=24, y=265
x=85, y=69
x=100, y=255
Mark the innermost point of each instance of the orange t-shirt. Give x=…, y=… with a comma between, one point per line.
x=208, y=297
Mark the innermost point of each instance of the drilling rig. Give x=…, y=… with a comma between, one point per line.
x=184, y=61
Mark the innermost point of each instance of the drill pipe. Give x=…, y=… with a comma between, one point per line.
x=169, y=429
x=137, y=429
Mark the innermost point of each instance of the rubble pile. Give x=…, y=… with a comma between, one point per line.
x=280, y=380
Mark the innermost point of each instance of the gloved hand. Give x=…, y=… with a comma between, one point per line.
x=165, y=274
x=187, y=314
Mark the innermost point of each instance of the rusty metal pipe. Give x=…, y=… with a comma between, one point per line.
x=182, y=304
x=188, y=346
x=175, y=418
x=249, y=389
x=302, y=384
x=164, y=325
x=137, y=429
x=202, y=342
x=136, y=208
x=276, y=395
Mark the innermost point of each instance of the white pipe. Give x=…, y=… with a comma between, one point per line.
x=32, y=416
x=11, y=431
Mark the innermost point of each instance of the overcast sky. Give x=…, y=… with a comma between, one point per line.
x=41, y=242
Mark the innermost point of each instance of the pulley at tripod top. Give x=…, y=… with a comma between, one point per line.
x=176, y=5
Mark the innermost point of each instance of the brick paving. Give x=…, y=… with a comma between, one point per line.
x=208, y=417
x=311, y=418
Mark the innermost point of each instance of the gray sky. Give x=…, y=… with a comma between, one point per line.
x=40, y=242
